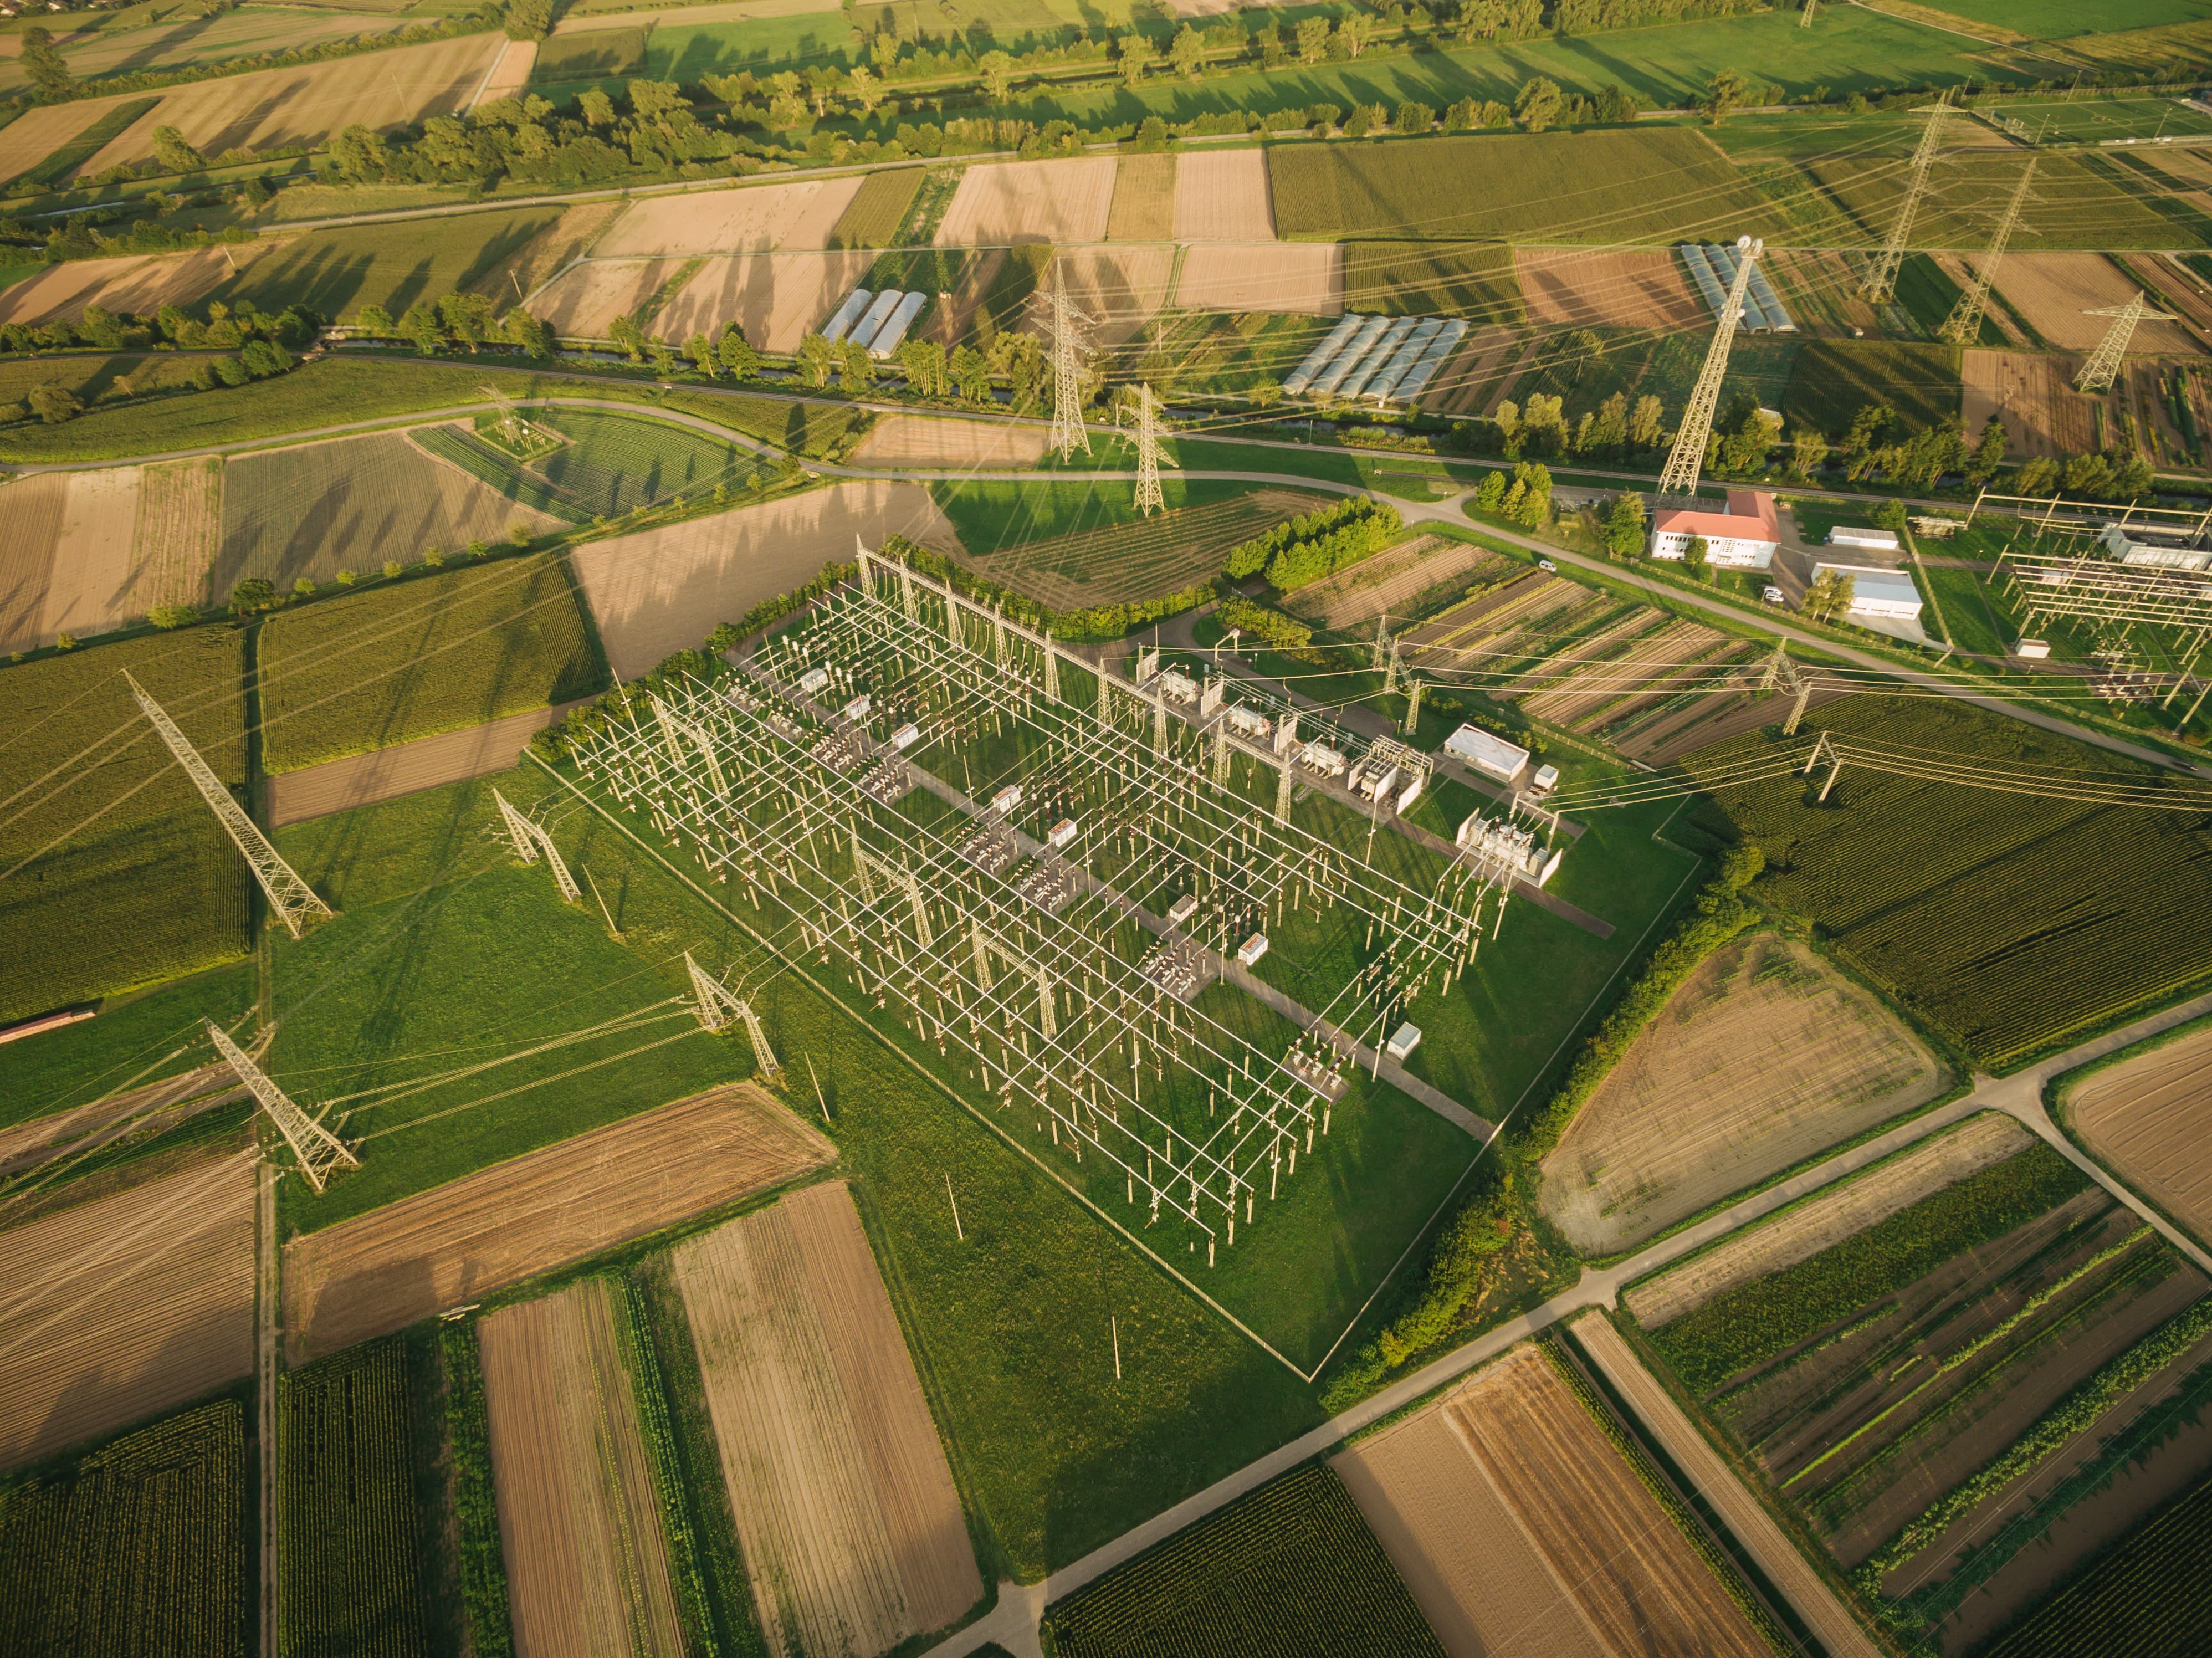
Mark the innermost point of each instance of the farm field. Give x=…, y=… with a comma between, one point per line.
x=422, y=763
x=2077, y=203
x=919, y=440
x=1294, y=1553
x=2144, y=1117
x=1698, y=1108
x=439, y=653
x=584, y=301
x=663, y=590
x=179, y=42
x=1221, y=195
x=775, y=299
x=2033, y=393
x=461, y=1241
x=351, y=504
x=1577, y=288
x=878, y=211
x=139, y=1547
x=178, y=535
x=581, y=1524
x=1506, y=1509
x=1402, y=581
x=2099, y=120
x=510, y=75
x=851, y=1529
x=1119, y=289
x=1877, y=867
x=609, y=53
x=1832, y=379
x=65, y=555
x=339, y=271
x=1144, y=207
x=126, y=1305
x=2147, y=1598
x=1003, y=202
x=1309, y=281
x=37, y=133
x=143, y=283
x=2052, y=290
x=1425, y=279
x=353, y=1581
x=756, y=219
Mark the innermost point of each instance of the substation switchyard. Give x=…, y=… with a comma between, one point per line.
x=1113, y=914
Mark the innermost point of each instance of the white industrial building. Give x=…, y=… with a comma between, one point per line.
x=1851, y=535
x=1887, y=594
x=1744, y=537
x=2169, y=550
x=1493, y=757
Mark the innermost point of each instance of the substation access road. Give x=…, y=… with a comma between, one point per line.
x=1013, y=1622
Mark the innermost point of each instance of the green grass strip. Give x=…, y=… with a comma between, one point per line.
x=487, y=466
x=476, y=1502
x=634, y=1338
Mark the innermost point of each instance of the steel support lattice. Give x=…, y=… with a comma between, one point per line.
x=318, y=1149
x=1068, y=431
x=1964, y=325
x=717, y=1006
x=1880, y=283
x=1686, y=460
x=530, y=841
x=2104, y=365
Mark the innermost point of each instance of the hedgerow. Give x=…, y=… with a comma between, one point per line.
x=1320, y=544
x=1267, y=627
x=482, y=1569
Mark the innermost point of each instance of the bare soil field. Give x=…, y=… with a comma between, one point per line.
x=756, y=219
x=1961, y=271
x=143, y=283
x=999, y=203
x=1828, y=1218
x=2043, y=414
x=1144, y=208
x=2174, y=287
x=1155, y=557
x=1461, y=386
x=40, y=131
x=1222, y=195
x=84, y=1127
x=921, y=440
x=91, y=582
x=850, y=1525
x=587, y=17
x=510, y=75
x=1520, y=1475
x=30, y=528
x=179, y=534
x=2052, y=290
x=276, y=108
x=125, y=1306
x=1393, y=580
x=1578, y=287
x=362, y=779
x=661, y=590
x=580, y=1521
x=380, y=1272
x=1765, y=1056
x=1304, y=278
x=567, y=238
x=2148, y=1118
x=1119, y=289
x=777, y=299
x=583, y=301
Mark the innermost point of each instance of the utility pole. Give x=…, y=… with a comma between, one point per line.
x=2104, y=365
x=1687, y=458
x=1149, y=494
x=1964, y=325
x=1881, y=275
x=1067, y=324
x=292, y=898
x=318, y=1149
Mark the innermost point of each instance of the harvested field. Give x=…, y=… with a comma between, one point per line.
x=1144, y=208
x=949, y=324
x=362, y=779
x=1507, y=1510
x=2148, y=1119
x=276, y=108
x=2052, y=290
x=1765, y=1056
x=2174, y=287
x=580, y=1521
x=382, y=1272
x=1579, y=289
x=143, y=283
x=661, y=590
x=125, y=1306
x=1119, y=289
x=1400, y=581
x=1940, y=1161
x=568, y=237
x=1463, y=386
x=2043, y=414
x=1428, y=279
x=777, y=299
x=582, y=302
x=91, y=580
x=39, y=132
x=179, y=534
x=84, y=1127
x=1221, y=195
x=756, y=219
x=1306, y=278
x=851, y=1529
x=1001, y=204
x=918, y=440
x=350, y=503
x=510, y=75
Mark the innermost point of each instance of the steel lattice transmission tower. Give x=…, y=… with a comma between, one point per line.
x=718, y=1008
x=1149, y=494
x=1881, y=275
x=1964, y=325
x=529, y=840
x=1067, y=325
x=293, y=899
x=318, y=1149
x=1687, y=457
x=2104, y=365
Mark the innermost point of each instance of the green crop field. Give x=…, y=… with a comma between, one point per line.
x=614, y=463
x=874, y=217
x=992, y=516
x=95, y=377
x=339, y=270
x=2055, y=20
x=137, y=1548
x=2078, y=202
x=1832, y=379
x=678, y=51
x=1927, y=296
x=2010, y=923
x=595, y=55
x=1294, y=1555
x=134, y=1041
x=2093, y=120
x=495, y=467
x=1413, y=279
x=439, y=653
x=2149, y=1597
x=352, y=1578
x=1654, y=185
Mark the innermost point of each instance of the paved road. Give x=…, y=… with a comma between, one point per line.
x=1012, y=1623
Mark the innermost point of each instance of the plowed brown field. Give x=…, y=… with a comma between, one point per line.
x=1119, y=289
x=2044, y=414
x=2148, y=1118
x=384, y=1271
x=846, y=1511
x=1221, y=195
x=1764, y=1057
x=776, y=299
x=917, y=439
x=1003, y=202
x=2052, y=291
x=583, y=301
x=579, y=1522
x=1144, y=199
x=756, y=219
x=125, y=1306
x=1303, y=278
x=1580, y=288
x=143, y=283
x=510, y=75
x=37, y=133
x=90, y=586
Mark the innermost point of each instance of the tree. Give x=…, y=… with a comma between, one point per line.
x=1352, y=32
x=997, y=70
x=1890, y=515
x=817, y=359
x=1624, y=526
x=2133, y=477
x=866, y=87
x=1695, y=551
x=1187, y=52
x=1532, y=483
x=264, y=359
x=371, y=319
x=971, y=374
x=253, y=595
x=2088, y=475
x=598, y=109
x=166, y=616
x=55, y=404
x=469, y=318
x=1989, y=453
x=43, y=64
x=700, y=350
x=742, y=361
x=1809, y=452
x=1414, y=118
x=1136, y=54
x=421, y=325
x=1830, y=595
x=1727, y=92
x=528, y=331
x=628, y=337
x=1647, y=422
x=2037, y=476
x=856, y=369
x=1539, y=104
x=1313, y=40
x=173, y=154
x=529, y=20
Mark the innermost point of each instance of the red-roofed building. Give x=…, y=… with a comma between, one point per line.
x=1744, y=537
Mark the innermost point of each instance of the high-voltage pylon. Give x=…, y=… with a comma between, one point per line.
x=2104, y=365
x=1149, y=494
x=1805, y=17
x=292, y=898
x=1687, y=457
x=529, y=840
x=1881, y=274
x=318, y=1149
x=1964, y=325
x=1067, y=325
x=718, y=1009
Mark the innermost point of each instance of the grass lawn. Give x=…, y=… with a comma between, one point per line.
x=677, y=50
x=2080, y=201
x=339, y=270
x=133, y=1041
x=2055, y=20
x=2092, y=120
x=96, y=376
x=991, y=516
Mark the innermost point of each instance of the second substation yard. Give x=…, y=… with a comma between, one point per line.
x=2147, y=1118
x=1765, y=1056
x=851, y=1529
